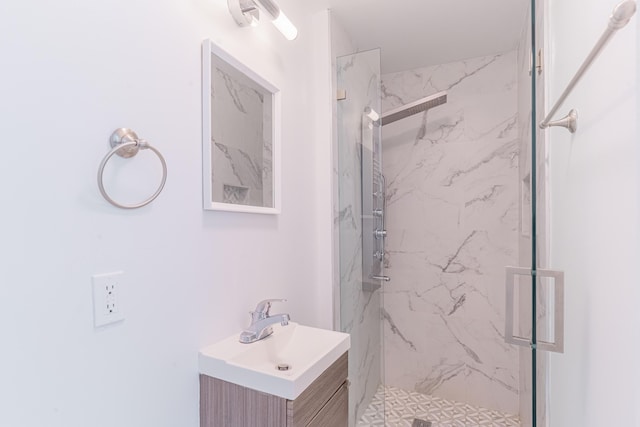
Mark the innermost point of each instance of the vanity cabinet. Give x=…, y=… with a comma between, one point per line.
x=324, y=403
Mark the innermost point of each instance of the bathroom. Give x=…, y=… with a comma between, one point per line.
x=75, y=71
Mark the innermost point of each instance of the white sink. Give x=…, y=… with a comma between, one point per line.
x=306, y=351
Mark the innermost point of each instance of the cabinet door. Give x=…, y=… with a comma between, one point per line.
x=305, y=407
x=336, y=412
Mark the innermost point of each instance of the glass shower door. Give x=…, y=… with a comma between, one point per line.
x=359, y=216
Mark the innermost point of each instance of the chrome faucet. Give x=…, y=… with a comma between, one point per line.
x=261, y=322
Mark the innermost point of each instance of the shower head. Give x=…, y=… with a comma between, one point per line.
x=415, y=107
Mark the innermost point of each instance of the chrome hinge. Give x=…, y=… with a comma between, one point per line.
x=539, y=62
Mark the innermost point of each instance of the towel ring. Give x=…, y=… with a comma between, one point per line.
x=125, y=143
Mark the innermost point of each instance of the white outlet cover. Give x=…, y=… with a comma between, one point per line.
x=107, y=298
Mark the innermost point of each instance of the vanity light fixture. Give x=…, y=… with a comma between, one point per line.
x=247, y=13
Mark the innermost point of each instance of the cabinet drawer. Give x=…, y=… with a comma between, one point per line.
x=336, y=412
x=301, y=411
x=224, y=404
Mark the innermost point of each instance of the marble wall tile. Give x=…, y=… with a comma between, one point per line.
x=452, y=220
x=359, y=74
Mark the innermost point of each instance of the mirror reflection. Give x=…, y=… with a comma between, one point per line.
x=239, y=136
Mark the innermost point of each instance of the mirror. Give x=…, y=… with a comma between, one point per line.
x=240, y=136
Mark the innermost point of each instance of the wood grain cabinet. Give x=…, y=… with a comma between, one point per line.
x=325, y=403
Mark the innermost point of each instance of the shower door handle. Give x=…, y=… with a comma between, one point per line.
x=383, y=278
x=557, y=345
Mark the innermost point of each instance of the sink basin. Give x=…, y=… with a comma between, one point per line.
x=283, y=364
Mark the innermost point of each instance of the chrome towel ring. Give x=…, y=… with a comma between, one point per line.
x=125, y=143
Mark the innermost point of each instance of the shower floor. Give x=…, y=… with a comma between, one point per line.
x=403, y=406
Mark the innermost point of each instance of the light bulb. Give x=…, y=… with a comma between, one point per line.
x=286, y=27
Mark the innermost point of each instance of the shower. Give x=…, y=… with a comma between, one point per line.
x=424, y=232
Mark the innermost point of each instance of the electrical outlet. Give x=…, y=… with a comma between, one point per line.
x=107, y=301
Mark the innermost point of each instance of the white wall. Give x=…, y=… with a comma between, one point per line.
x=72, y=72
x=595, y=217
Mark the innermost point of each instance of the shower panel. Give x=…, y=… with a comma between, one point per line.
x=373, y=203
x=374, y=184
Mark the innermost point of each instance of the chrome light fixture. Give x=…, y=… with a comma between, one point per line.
x=247, y=13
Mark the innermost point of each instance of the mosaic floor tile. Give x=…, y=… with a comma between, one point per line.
x=403, y=406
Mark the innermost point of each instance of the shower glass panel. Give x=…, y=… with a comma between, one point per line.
x=360, y=195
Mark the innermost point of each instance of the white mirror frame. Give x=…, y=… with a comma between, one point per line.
x=209, y=49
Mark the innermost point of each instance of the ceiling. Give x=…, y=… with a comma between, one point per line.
x=417, y=33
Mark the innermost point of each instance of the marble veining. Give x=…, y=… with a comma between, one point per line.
x=233, y=166
x=452, y=220
x=394, y=329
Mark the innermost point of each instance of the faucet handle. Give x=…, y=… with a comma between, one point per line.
x=263, y=307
